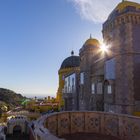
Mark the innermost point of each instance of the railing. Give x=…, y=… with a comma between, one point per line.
x=23, y=113
x=31, y=133
x=124, y=127
x=42, y=133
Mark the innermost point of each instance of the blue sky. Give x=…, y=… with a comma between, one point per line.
x=37, y=35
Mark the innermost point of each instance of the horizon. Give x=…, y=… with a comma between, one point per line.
x=39, y=96
x=36, y=36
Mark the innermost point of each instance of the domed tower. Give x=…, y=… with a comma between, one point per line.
x=87, y=54
x=121, y=32
x=69, y=65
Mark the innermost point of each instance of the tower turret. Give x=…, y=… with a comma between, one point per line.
x=121, y=32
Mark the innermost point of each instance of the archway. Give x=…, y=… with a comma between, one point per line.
x=17, y=130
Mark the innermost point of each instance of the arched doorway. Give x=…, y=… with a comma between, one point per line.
x=17, y=130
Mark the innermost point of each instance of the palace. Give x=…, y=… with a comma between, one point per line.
x=97, y=89
x=109, y=80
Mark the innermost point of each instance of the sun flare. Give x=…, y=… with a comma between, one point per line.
x=104, y=47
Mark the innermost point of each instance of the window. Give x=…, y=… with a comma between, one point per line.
x=68, y=88
x=70, y=83
x=73, y=82
x=82, y=78
x=109, y=89
x=93, y=88
x=99, y=88
x=72, y=89
x=110, y=69
x=65, y=86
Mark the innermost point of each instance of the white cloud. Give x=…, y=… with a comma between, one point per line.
x=95, y=10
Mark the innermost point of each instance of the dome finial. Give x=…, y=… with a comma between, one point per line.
x=90, y=36
x=72, y=52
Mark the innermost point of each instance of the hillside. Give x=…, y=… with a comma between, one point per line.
x=10, y=98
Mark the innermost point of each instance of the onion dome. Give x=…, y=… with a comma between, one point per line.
x=72, y=61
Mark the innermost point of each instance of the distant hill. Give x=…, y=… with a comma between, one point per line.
x=10, y=98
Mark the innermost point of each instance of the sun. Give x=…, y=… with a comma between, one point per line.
x=104, y=47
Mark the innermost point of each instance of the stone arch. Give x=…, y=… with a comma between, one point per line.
x=17, y=129
x=21, y=125
x=17, y=122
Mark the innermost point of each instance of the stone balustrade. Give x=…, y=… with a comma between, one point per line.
x=40, y=132
x=124, y=127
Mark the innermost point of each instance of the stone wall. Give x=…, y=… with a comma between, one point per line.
x=121, y=126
